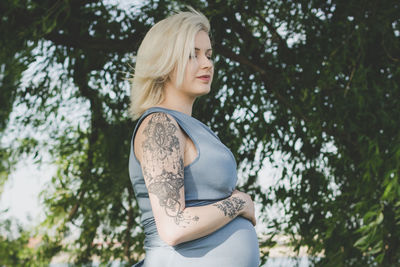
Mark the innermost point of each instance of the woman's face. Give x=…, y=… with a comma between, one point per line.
x=199, y=70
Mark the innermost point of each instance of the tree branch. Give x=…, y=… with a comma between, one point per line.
x=238, y=58
x=128, y=237
x=88, y=42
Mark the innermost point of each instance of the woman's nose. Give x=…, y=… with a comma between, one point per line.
x=205, y=62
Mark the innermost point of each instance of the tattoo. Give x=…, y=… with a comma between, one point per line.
x=163, y=166
x=231, y=207
x=162, y=140
x=166, y=187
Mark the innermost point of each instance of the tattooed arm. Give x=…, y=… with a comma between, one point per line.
x=159, y=146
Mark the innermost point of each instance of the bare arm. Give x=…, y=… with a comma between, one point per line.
x=160, y=149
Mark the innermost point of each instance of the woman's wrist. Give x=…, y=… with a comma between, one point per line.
x=232, y=206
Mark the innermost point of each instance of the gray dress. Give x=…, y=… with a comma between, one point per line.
x=209, y=178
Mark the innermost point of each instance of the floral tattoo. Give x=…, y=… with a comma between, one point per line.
x=163, y=166
x=231, y=207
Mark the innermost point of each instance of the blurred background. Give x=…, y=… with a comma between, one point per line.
x=306, y=95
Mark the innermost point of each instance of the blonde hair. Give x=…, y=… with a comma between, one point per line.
x=166, y=47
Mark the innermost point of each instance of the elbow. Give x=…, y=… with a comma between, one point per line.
x=171, y=238
x=171, y=242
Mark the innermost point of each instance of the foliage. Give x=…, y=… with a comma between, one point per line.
x=314, y=82
x=18, y=246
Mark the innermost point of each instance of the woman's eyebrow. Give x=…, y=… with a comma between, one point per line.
x=198, y=49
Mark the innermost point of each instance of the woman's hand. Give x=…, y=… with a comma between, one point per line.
x=247, y=211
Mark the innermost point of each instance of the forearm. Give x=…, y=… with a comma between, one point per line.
x=202, y=220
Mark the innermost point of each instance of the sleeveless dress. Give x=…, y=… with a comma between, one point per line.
x=212, y=176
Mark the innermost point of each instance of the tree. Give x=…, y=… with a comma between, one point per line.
x=315, y=81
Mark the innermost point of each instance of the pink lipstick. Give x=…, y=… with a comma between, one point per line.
x=205, y=78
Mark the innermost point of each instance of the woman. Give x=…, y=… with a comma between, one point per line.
x=183, y=176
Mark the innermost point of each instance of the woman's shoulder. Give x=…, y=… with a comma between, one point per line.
x=159, y=123
x=159, y=130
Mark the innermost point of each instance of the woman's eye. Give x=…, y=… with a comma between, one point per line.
x=209, y=57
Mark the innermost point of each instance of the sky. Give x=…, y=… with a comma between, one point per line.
x=21, y=192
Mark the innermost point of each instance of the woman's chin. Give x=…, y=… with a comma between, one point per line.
x=204, y=91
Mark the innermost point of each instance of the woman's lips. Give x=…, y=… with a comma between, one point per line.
x=205, y=78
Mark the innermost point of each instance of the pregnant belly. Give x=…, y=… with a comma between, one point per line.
x=235, y=244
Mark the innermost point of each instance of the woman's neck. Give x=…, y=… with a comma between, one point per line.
x=187, y=109
x=175, y=100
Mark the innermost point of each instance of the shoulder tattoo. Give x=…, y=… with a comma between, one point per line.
x=163, y=166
